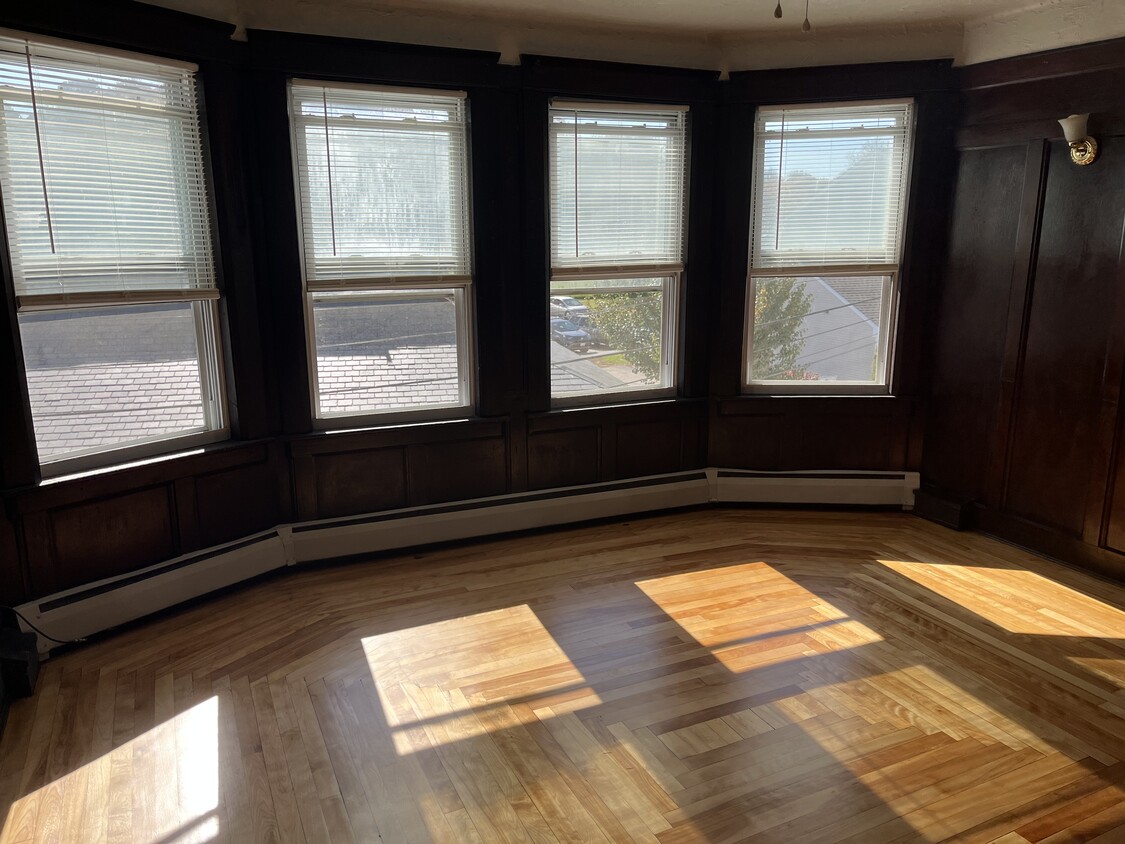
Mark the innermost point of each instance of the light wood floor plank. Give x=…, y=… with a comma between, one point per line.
x=730, y=675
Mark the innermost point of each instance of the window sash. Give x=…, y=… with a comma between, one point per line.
x=215, y=425
x=68, y=113
x=668, y=284
x=844, y=204
x=462, y=297
x=334, y=148
x=617, y=185
x=884, y=347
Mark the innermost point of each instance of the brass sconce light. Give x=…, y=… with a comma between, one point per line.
x=1083, y=148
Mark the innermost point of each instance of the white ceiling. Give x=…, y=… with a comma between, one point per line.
x=719, y=34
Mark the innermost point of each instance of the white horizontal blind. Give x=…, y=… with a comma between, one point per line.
x=383, y=182
x=101, y=166
x=830, y=184
x=617, y=185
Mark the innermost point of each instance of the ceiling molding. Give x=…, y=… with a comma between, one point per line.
x=691, y=33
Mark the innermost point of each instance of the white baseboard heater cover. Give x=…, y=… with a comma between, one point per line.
x=95, y=607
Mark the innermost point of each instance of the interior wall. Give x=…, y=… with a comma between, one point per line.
x=1024, y=429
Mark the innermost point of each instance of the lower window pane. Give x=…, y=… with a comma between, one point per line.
x=103, y=378
x=610, y=336
x=810, y=330
x=389, y=351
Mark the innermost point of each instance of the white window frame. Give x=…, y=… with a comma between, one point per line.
x=371, y=287
x=205, y=308
x=891, y=289
x=672, y=272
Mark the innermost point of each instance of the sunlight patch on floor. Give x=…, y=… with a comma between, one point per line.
x=1044, y=607
x=466, y=677
x=162, y=785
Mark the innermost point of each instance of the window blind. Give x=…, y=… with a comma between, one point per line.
x=383, y=182
x=617, y=185
x=101, y=165
x=830, y=184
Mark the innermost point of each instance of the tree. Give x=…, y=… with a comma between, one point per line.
x=779, y=306
x=631, y=322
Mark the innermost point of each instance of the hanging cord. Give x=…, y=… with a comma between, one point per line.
x=23, y=618
x=328, y=161
x=39, y=146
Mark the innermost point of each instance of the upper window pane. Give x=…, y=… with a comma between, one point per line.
x=383, y=181
x=617, y=185
x=830, y=184
x=102, y=167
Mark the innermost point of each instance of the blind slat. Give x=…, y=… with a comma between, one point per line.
x=102, y=171
x=617, y=184
x=383, y=181
x=830, y=184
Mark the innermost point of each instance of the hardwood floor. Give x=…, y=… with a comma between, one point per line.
x=712, y=676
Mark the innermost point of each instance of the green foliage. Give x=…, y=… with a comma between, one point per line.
x=631, y=322
x=779, y=306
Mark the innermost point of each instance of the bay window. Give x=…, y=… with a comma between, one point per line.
x=108, y=224
x=618, y=176
x=829, y=209
x=383, y=189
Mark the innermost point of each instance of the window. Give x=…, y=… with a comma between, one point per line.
x=109, y=235
x=382, y=179
x=830, y=186
x=617, y=204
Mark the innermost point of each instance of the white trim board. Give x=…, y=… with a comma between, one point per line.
x=95, y=607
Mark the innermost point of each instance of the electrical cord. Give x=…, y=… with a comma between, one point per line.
x=40, y=632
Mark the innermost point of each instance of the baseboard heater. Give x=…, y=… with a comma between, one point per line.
x=96, y=607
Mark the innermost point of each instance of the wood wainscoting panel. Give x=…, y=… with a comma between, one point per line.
x=1060, y=392
x=713, y=676
x=353, y=482
x=105, y=537
x=457, y=470
x=565, y=457
x=239, y=501
x=650, y=448
x=969, y=348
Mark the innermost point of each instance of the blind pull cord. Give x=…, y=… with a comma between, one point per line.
x=328, y=160
x=39, y=148
x=576, y=252
x=780, y=172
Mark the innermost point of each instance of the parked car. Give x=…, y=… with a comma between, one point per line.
x=587, y=324
x=570, y=335
x=557, y=310
x=571, y=307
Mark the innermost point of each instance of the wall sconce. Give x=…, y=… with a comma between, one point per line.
x=1083, y=148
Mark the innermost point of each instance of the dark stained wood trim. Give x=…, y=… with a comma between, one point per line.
x=361, y=60
x=127, y=25
x=1050, y=542
x=1050, y=64
x=1019, y=312
x=841, y=82
x=1105, y=450
x=620, y=80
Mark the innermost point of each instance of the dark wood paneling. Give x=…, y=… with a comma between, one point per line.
x=797, y=433
x=13, y=579
x=451, y=471
x=236, y=502
x=968, y=352
x=747, y=441
x=563, y=458
x=102, y=538
x=1060, y=387
x=841, y=82
x=650, y=448
x=360, y=481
